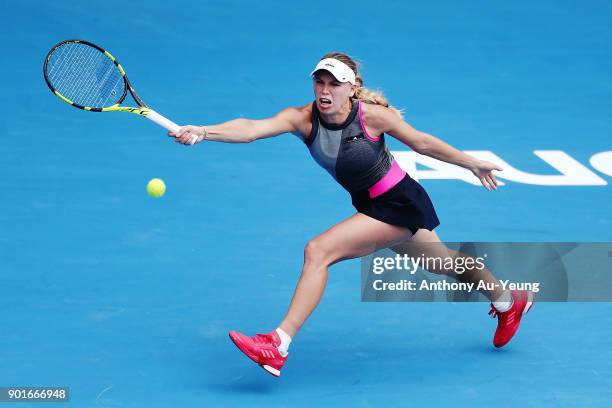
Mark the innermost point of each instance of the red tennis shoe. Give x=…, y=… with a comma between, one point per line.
x=508, y=321
x=262, y=349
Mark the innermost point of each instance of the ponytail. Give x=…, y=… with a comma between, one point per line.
x=374, y=97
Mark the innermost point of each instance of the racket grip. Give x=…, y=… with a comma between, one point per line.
x=166, y=123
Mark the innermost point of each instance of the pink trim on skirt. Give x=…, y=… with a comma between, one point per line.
x=393, y=176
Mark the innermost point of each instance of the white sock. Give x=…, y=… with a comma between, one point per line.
x=285, y=339
x=504, y=303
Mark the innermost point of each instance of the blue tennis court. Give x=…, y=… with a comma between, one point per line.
x=127, y=300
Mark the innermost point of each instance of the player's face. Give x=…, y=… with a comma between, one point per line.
x=331, y=95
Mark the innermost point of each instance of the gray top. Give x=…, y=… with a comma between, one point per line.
x=355, y=159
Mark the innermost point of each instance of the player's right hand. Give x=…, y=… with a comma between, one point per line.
x=189, y=135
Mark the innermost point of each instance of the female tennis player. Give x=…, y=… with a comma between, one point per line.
x=344, y=131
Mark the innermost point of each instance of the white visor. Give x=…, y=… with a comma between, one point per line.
x=341, y=71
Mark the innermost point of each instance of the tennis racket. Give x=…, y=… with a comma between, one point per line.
x=90, y=78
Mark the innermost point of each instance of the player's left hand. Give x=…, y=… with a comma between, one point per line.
x=484, y=171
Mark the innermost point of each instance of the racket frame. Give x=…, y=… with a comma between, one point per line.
x=142, y=109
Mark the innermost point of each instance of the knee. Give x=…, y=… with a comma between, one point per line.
x=315, y=253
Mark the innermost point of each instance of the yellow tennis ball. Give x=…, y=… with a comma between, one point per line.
x=156, y=187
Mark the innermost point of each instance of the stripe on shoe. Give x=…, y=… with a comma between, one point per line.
x=271, y=370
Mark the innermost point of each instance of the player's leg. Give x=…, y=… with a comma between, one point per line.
x=428, y=243
x=356, y=236
x=508, y=306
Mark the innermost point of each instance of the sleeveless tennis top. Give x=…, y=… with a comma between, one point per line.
x=355, y=159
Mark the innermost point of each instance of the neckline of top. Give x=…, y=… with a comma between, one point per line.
x=339, y=126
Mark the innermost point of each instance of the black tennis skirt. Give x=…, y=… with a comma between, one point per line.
x=405, y=205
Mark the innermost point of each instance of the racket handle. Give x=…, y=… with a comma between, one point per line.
x=166, y=123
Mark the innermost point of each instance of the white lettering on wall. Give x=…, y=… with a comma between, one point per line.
x=602, y=162
x=570, y=172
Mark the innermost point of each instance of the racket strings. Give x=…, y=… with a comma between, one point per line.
x=90, y=88
x=59, y=69
x=90, y=84
x=63, y=55
x=74, y=56
x=85, y=76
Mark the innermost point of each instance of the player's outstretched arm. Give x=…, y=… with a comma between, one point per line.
x=241, y=130
x=385, y=120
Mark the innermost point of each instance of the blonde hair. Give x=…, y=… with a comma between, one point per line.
x=363, y=94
